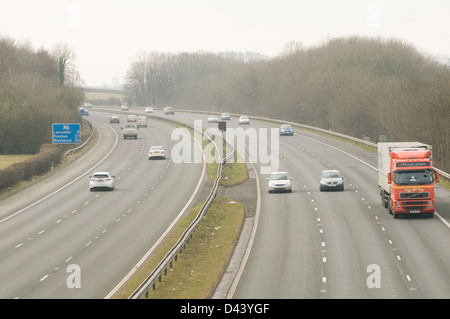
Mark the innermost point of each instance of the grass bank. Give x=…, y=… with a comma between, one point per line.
x=7, y=160
x=199, y=267
x=201, y=263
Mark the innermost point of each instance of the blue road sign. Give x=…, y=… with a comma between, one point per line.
x=68, y=133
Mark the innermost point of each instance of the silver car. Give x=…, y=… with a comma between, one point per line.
x=130, y=130
x=169, y=110
x=279, y=182
x=331, y=179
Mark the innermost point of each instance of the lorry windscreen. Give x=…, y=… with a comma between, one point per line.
x=422, y=177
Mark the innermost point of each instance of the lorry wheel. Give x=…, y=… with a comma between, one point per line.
x=384, y=201
x=389, y=206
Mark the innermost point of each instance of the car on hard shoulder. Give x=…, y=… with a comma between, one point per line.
x=101, y=180
x=286, y=129
x=331, y=180
x=156, y=152
x=279, y=182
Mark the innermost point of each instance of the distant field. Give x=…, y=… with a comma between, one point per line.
x=7, y=160
x=103, y=95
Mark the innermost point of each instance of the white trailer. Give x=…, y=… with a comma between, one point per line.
x=384, y=159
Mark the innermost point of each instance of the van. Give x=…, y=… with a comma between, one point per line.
x=141, y=121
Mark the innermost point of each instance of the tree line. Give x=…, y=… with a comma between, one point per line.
x=363, y=87
x=37, y=88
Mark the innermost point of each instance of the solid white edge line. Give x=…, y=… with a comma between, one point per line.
x=446, y=223
x=150, y=251
x=68, y=184
x=255, y=226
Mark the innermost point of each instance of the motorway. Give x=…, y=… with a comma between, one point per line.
x=306, y=244
x=312, y=244
x=57, y=233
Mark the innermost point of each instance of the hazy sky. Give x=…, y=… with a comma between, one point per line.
x=107, y=34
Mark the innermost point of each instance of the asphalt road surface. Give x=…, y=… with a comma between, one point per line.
x=312, y=244
x=59, y=240
x=307, y=244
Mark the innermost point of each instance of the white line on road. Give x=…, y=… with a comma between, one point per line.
x=63, y=187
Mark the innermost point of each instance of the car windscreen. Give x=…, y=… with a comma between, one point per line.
x=279, y=177
x=331, y=175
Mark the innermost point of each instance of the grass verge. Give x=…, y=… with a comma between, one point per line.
x=201, y=263
x=7, y=160
x=4, y=193
x=199, y=267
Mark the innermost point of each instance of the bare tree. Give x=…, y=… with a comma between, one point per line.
x=64, y=56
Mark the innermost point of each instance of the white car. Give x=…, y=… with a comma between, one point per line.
x=101, y=180
x=279, y=182
x=148, y=109
x=156, y=152
x=225, y=116
x=212, y=119
x=244, y=120
x=124, y=108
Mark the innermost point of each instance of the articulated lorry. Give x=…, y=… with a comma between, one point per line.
x=406, y=178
